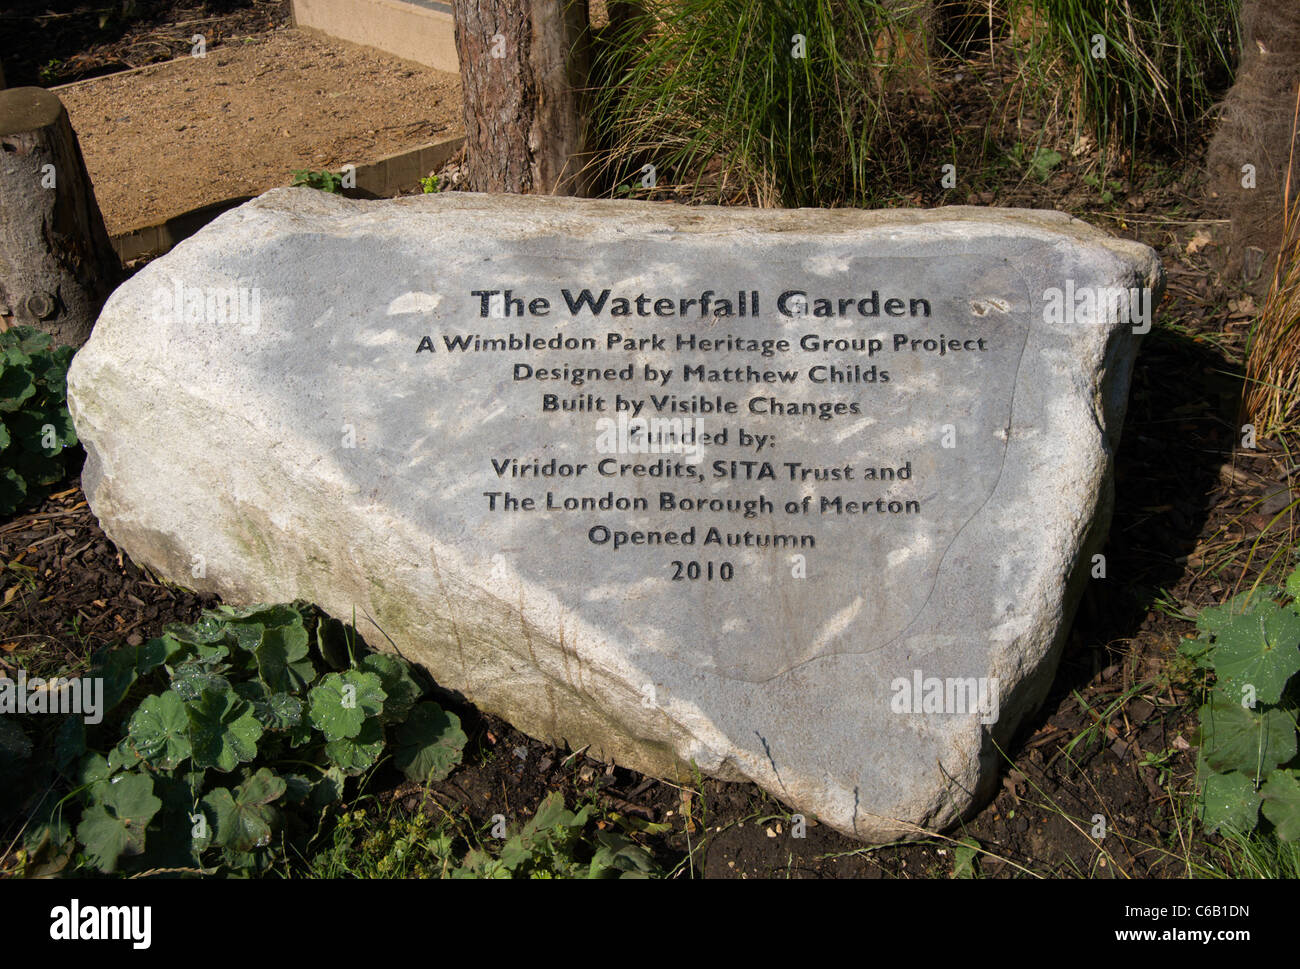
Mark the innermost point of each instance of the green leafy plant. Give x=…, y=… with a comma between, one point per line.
x=555, y=843
x=1248, y=735
x=1040, y=162
x=965, y=861
x=225, y=728
x=1160, y=763
x=1106, y=188
x=552, y=845
x=429, y=184
x=385, y=843
x=37, y=439
x=325, y=181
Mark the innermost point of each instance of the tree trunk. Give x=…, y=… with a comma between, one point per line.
x=56, y=264
x=523, y=68
x=1249, y=158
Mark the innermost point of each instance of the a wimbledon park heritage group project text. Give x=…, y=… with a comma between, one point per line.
x=658, y=416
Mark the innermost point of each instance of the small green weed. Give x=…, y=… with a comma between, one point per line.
x=554, y=843
x=1099, y=731
x=965, y=860
x=325, y=181
x=1040, y=163
x=386, y=844
x=1160, y=763
x=1105, y=188
x=551, y=845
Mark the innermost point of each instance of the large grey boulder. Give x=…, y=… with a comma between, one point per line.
x=265, y=419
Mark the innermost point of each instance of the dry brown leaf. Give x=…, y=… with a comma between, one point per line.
x=1242, y=307
x=1199, y=241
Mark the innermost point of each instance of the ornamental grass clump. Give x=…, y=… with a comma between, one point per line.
x=774, y=103
x=1136, y=69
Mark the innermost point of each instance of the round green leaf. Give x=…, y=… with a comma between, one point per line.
x=1230, y=801
x=210, y=628
x=245, y=819
x=430, y=743
x=115, y=824
x=94, y=770
x=342, y=702
x=352, y=755
x=1293, y=587
x=1236, y=738
x=16, y=387
x=123, y=756
x=192, y=679
x=327, y=789
x=282, y=659
x=223, y=730
x=160, y=730
x=277, y=711
x=1281, y=796
x=267, y=616
x=13, y=490
x=1260, y=649
x=400, y=688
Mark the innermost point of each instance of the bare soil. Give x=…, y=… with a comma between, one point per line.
x=175, y=136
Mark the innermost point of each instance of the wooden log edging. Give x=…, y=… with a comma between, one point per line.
x=384, y=178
